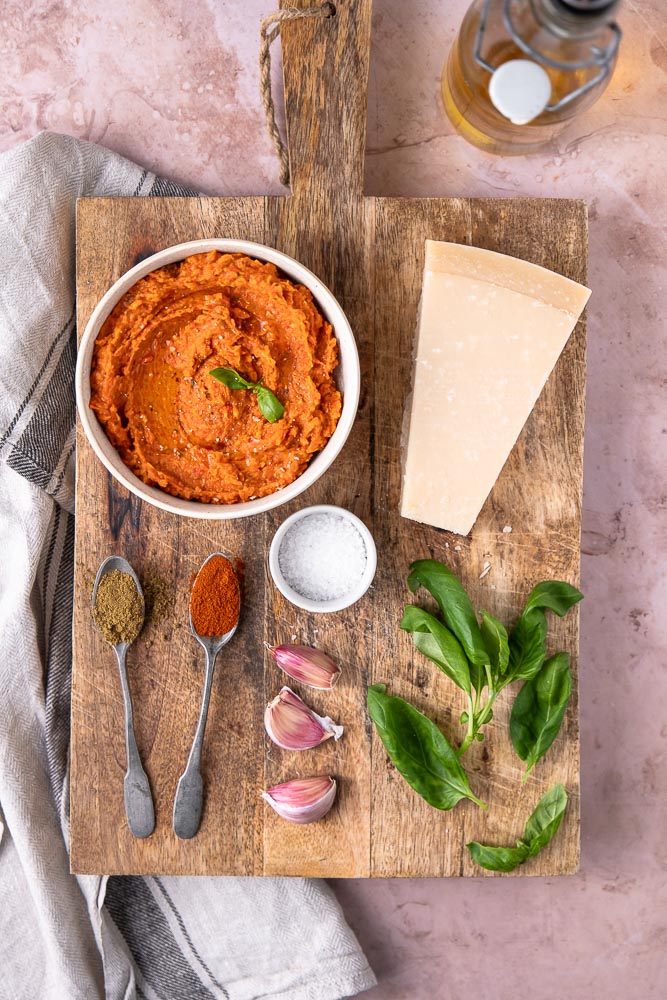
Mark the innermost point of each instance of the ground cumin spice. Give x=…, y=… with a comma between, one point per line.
x=118, y=610
x=215, y=602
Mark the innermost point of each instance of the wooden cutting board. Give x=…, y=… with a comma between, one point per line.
x=369, y=251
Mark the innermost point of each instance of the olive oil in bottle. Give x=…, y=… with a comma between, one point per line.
x=519, y=70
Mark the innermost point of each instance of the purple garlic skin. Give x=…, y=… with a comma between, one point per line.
x=307, y=665
x=302, y=800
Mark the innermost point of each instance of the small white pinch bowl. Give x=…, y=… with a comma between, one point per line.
x=346, y=375
x=353, y=595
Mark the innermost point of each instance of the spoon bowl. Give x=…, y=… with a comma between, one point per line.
x=137, y=791
x=108, y=566
x=189, y=798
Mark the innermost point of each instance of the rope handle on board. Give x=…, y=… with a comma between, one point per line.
x=269, y=30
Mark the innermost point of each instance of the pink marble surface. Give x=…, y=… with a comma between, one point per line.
x=175, y=87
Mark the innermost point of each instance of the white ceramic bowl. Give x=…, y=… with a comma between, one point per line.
x=353, y=595
x=346, y=375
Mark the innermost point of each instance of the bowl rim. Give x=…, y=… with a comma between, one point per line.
x=328, y=306
x=306, y=603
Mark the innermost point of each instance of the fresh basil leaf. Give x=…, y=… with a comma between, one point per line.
x=545, y=819
x=555, y=595
x=498, y=859
x=419, y=750
x=539, y=708
x=541, y=827
x=527, y=645
x=269, y=403
x=527, y=639
x=454, y=603
x=495, y=639
x=434, y=640
x=231, y=378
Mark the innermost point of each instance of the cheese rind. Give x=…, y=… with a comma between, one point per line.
x=490, y=331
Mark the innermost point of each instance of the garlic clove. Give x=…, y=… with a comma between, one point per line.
x=302, y=800
x=308, y=665
x=293, y=726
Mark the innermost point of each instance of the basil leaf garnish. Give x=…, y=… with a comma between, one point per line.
x=495, y=639
x=539, y=708
x=454, y=603
x=419, y=750
x=540, y=829
x=434, y=640
x=559, y=597
x=231, y=378
x=269, y=404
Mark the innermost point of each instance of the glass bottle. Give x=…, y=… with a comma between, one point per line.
x=519, y=70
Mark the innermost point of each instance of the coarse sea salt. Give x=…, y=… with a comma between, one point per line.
x=323, y=557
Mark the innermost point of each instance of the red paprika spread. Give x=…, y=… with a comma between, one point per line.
x=215, y=601
x=171, y=422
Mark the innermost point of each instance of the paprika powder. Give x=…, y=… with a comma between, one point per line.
x=215, y=599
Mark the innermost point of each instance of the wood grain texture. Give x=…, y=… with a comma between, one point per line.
x=538, y=495
x=370, y=253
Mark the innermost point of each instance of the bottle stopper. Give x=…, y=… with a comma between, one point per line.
x=520, y=90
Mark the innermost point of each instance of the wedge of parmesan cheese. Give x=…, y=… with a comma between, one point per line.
x=491, y=329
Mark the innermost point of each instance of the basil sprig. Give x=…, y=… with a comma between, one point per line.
x=419, y=750
x=482, y=659
x=269, y=404
x=540, y=829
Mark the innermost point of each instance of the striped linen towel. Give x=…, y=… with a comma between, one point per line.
x=61, y=936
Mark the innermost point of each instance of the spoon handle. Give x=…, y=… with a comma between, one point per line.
x=138, y=799
x=190, y=789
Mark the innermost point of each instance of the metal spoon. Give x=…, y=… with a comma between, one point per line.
x=190, y=789
x=138, y=799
